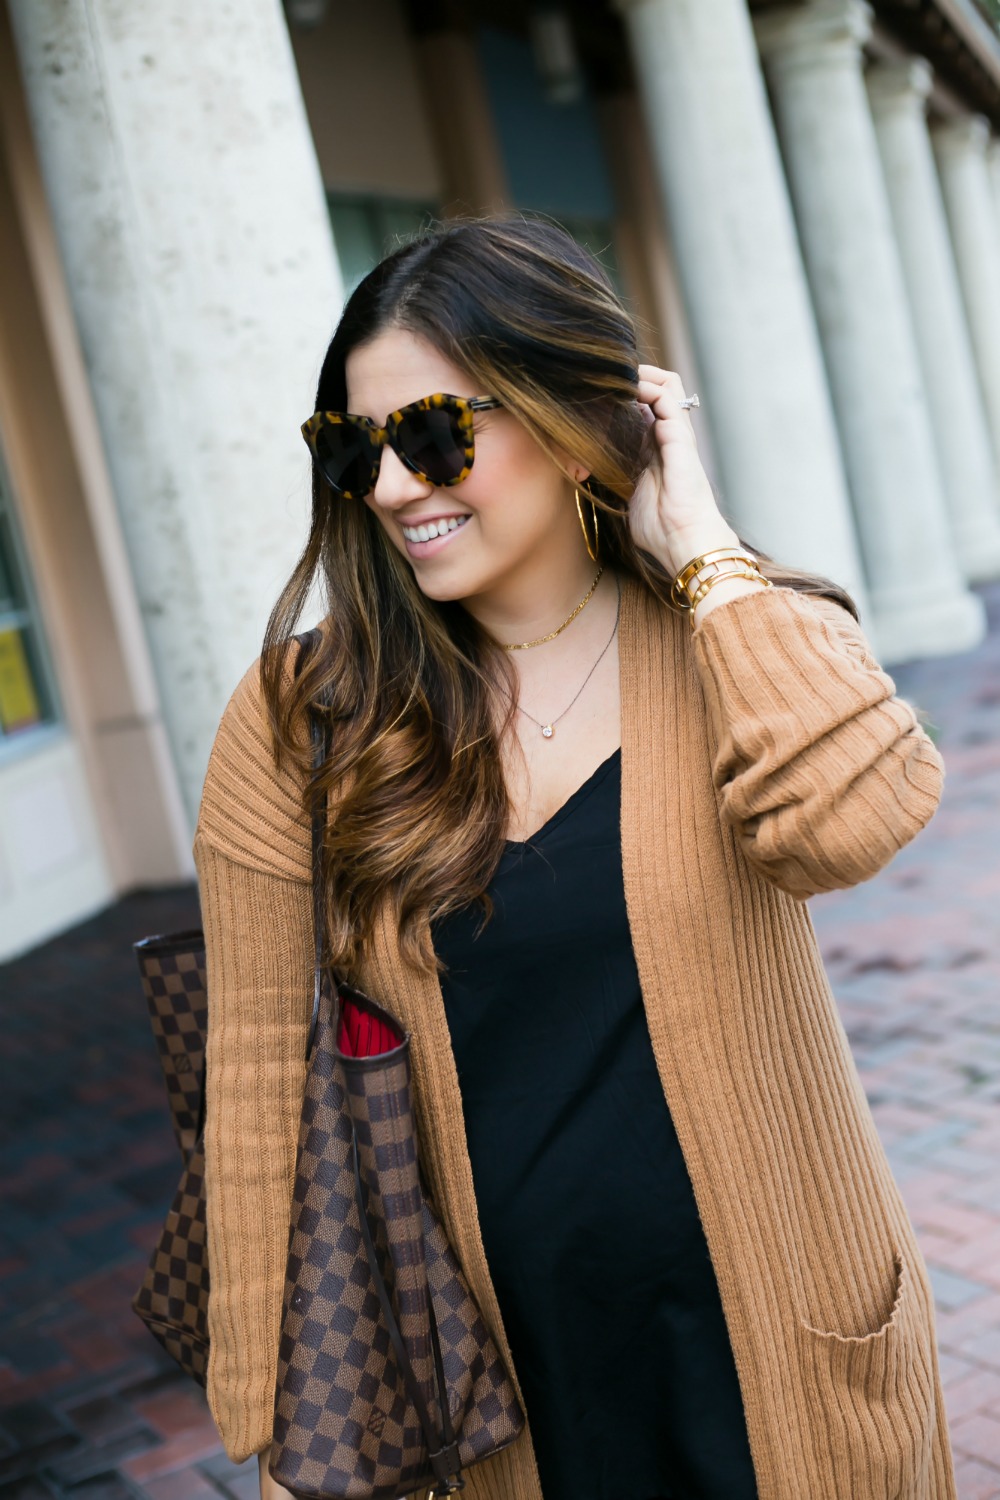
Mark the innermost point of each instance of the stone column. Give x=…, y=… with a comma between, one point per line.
x=191, y=222
x=738, y=262
x=812, y=55
x=993, y=159
x=898, y=93
x=960, y=148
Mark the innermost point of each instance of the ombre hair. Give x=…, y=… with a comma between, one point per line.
x=412, y=686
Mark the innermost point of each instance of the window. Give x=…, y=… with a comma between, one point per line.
x=366, y=228
x=26, y=699
x=553, y=152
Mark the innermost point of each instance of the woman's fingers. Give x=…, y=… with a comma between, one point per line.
x=664, y=394
x=666, y=409
x=653, y=375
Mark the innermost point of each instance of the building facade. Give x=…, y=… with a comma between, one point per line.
x=801, y=203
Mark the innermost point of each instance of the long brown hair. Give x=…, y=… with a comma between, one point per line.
x=411, y=685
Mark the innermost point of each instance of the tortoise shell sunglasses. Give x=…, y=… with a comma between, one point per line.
x=433, y=437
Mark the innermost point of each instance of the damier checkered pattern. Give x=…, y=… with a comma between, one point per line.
x=344, y=1424
x=173, y=979
x=345, y=1428
x=173, y=1298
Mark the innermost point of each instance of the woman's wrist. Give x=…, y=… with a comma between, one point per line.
x=709, y=536
x=720, y=593
x=695, y=541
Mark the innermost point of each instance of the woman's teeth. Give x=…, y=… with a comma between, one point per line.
x=433, y=529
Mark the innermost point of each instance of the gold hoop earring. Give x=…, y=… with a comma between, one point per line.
x=593, y=552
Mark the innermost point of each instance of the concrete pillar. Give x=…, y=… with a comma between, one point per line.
x=647, y=260
x=898, y=93
x=731, y=226
x=960, y=148
x=812, y=55
x=993, y=160
x=191, y=222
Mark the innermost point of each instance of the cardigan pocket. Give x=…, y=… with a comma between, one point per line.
x=871, y=1400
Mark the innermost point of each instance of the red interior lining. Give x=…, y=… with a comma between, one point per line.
x=360, y=1034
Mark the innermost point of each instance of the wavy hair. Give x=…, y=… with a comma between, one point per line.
x=411, y=685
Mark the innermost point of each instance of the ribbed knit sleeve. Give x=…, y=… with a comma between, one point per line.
x=249, y=810
x=258, y=933
x=824, y=773
x=252, y=851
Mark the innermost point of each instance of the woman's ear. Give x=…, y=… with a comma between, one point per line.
x=571, y=468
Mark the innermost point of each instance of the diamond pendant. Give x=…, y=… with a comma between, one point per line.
x=548, y=731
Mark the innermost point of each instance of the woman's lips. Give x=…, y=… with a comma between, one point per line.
x=429, y=548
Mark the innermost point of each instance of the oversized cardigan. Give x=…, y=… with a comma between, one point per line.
x=765, y=758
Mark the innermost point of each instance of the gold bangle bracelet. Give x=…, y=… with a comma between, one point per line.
x=692, y=571
x=696, y=563
x=754, y=575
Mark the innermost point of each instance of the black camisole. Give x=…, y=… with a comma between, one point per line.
x=587, y=1214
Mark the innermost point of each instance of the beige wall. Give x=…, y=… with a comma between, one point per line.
x=363, y=97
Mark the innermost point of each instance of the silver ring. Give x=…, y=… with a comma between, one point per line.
x=691, y=401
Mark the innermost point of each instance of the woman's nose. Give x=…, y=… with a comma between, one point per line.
x=395, y=484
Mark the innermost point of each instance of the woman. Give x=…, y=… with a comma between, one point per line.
x=570, y=842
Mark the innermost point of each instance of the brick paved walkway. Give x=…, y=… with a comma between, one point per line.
x=914, y=957
x=90, y=1408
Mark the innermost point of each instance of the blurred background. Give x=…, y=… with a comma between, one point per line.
x=801, y=205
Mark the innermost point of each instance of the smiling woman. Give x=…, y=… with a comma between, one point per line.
x=569, y=840
x=515, y=311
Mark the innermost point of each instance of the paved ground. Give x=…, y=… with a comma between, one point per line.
x=89, y=1407
x=914, y=957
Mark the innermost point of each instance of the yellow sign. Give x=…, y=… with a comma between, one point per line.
x=19, y=706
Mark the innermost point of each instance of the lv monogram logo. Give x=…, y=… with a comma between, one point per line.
x=376, y=1421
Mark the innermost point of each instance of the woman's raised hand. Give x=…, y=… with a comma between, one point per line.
x=673, y=513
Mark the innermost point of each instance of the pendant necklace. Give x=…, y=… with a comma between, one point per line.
x=548, y=730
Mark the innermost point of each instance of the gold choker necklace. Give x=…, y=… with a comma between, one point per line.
x=524, y=645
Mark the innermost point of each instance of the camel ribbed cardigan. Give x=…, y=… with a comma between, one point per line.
x=765, y=758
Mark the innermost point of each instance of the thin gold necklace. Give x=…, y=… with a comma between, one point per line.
x=548, y=730
x=524, y=645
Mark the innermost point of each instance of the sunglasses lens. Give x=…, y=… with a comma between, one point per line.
x=344, y=454
x=433, y=443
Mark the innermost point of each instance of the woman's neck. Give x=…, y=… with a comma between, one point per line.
x=535, y=603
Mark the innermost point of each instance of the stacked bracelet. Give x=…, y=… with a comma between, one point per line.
x=701, y=575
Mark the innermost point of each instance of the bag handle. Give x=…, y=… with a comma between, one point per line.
x=320, y=744
x=320, y=738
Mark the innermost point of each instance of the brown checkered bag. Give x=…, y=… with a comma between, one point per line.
x=173, y=1298
x=388, y=1380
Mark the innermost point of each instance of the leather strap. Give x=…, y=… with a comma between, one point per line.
x=320, y=739
x=320, y=744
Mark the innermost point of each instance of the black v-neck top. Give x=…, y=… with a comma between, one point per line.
x=587, y=1214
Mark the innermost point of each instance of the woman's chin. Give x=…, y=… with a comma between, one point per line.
x=443, y=590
